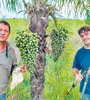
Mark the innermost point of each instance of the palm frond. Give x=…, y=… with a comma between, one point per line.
x=11, y=4
x=78, y=5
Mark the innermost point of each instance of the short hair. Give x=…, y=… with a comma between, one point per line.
x=5, y=23
x=84, y=28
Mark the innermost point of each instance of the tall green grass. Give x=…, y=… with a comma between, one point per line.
x=59, y=77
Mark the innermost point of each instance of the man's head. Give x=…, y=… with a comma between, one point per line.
x=4, y=30
x=84, y=33
x=84, y=28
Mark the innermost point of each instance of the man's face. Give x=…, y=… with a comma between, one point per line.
x=85, y=36
x=4, y=32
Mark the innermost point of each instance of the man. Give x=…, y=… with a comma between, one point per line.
x=7, y=59
x=82, y=61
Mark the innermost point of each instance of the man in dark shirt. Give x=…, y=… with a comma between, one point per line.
x=82, y=61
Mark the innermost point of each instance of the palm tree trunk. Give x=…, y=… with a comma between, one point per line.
x=38, y=24
x=37, y=78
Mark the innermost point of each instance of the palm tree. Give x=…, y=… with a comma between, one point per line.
x=38, y=12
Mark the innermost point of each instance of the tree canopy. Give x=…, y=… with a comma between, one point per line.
x=79, y=6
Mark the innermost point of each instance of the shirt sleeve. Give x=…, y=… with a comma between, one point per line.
x=76, y=62
x=14, y=63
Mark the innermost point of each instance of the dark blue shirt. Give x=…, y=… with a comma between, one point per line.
x=81, y=62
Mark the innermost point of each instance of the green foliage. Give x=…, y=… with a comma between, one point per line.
x=58, y=40
x=88, y=17
x=59, y=76
x=27, y=43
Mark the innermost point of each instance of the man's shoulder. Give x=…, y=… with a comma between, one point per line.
x=14, y=51
x=9, y=45
x=80, y=49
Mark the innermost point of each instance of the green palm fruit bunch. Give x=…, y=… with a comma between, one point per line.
x=27, y=43
x=58, y=37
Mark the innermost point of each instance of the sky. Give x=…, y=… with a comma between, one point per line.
x=11, y=14
x=4, y=13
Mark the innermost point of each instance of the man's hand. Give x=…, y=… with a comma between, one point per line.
x=23, y=68
x=78, y=78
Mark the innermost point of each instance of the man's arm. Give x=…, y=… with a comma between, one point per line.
x=23, y=67
x=78, y=77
